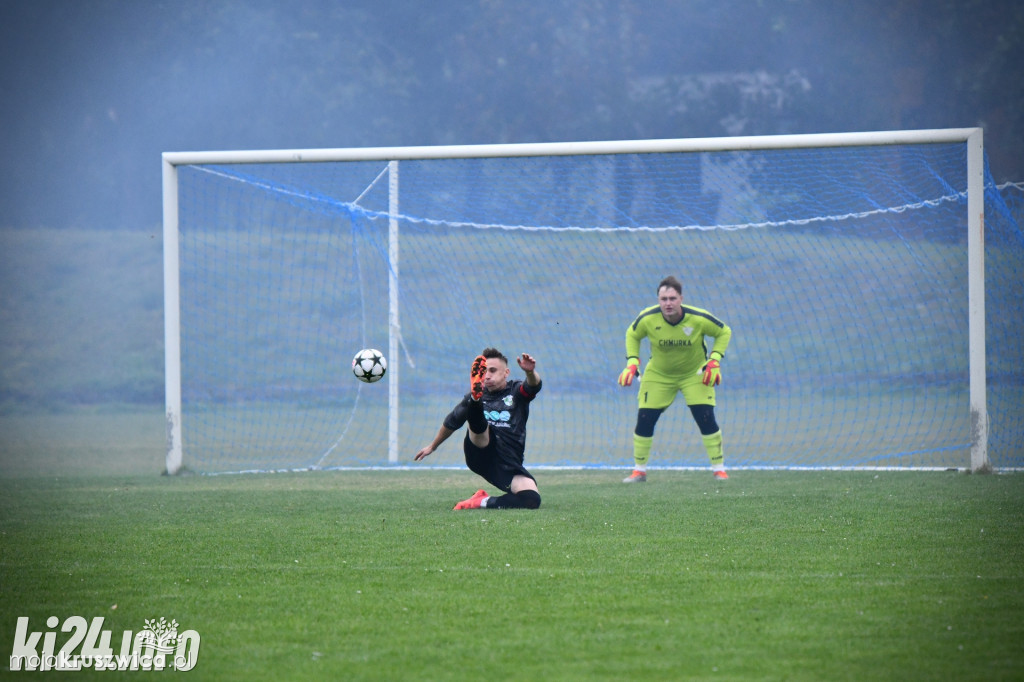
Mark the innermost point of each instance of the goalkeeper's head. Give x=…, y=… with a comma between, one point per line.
x=672, y=283
x=670, y=298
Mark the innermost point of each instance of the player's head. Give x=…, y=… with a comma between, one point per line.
x=670, y=297
x=497, y=369
x=672, y=283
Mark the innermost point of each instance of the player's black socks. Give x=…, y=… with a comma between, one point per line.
x=477, y=420
x=524, y=499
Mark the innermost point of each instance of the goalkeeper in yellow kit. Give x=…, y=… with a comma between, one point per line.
x=680, y=361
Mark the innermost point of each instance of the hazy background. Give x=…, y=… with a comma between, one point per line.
x=92, y=91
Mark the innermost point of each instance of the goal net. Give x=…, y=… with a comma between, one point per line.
x=843, y=264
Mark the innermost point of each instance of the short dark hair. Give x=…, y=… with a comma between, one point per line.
x=672, y=283
x=492, y=353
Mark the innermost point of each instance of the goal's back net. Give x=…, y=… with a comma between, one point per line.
x=842, y=269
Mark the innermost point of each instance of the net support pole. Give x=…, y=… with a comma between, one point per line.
x=394, y=326
x=976, y=299
x=172, y=320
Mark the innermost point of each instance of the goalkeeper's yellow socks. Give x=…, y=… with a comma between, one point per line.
x=713, y=444
x=641, y=451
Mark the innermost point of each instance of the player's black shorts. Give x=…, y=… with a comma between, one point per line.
x=496, y=468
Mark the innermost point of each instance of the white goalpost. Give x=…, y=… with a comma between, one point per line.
x=276, y=263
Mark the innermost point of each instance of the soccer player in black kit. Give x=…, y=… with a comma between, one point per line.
x=496, y=410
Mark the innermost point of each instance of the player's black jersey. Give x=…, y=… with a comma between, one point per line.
x=506, y=411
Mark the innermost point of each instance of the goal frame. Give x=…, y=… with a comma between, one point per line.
x=171, y=161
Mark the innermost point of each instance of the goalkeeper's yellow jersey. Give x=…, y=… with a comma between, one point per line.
x=676, y=349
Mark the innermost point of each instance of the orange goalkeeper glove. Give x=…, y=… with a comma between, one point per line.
x=712, y=373
x=632, y=368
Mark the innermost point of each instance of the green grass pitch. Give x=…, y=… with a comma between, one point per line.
x=371, y=575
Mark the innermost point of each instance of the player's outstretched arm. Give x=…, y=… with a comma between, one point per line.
x=529, y=365
x=442, y=435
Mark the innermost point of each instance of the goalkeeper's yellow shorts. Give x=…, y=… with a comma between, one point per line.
x=658, y=391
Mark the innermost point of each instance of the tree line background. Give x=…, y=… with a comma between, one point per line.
x=94, y=90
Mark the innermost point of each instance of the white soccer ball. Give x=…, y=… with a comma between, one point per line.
x=369, y=365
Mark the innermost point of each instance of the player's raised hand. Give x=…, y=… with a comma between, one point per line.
x=632, y=369
x=527, y=362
